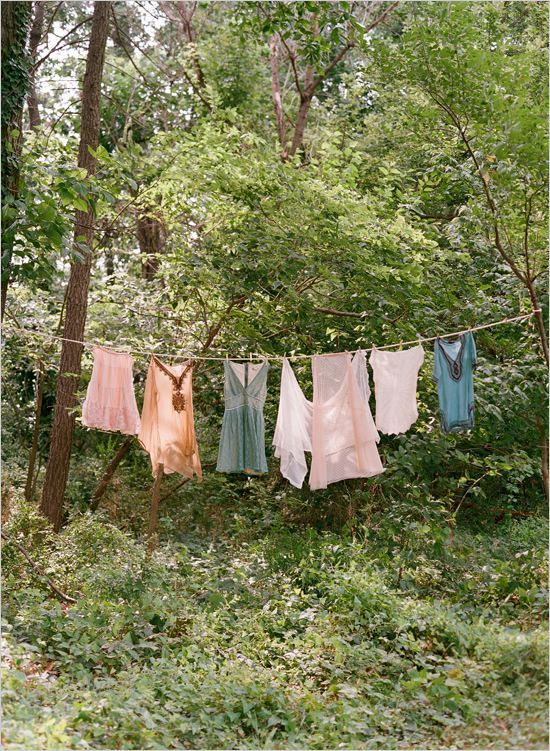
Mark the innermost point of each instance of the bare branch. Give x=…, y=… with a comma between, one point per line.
x=350, y=45
x=292, y=58
x=57, y=46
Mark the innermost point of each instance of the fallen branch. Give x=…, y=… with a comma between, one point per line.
x=173, y=490
x=497, y=510
x=62, y=596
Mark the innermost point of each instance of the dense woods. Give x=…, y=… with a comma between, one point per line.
x=240, y=179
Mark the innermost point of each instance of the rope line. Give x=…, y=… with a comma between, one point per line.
x=256, y=355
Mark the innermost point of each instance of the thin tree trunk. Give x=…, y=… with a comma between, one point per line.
x=35, y=37
x=57, y=470
x=37, y=472
x=151, y=238
x=15, y=18
x=544, y=466
x=29, y=485
x=32, y=476
x=311, y=82
x=186, y=11
x=301, y=121
x=541, y=425
x=103, y=484
x=276, y=95
x=152, y=536
x=539, y=319
x=523, y=276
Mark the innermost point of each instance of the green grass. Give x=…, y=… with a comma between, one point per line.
x=275, y=638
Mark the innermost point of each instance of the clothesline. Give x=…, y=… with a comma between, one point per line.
x=256, y=355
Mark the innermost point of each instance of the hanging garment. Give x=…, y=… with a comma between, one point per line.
x=395, y=375
x=293, y=430
x=453, y=373
x=167, y=424
x=110, y=402
x=344, y=436
x=242, y=440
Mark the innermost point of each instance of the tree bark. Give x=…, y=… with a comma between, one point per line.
x=57, y=470
x=301, y=121
x=524, y=276
x=151, y=238
x=35, y=37
x=15, y=18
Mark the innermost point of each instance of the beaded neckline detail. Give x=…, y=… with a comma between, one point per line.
x=178, y=398
x=455, y=366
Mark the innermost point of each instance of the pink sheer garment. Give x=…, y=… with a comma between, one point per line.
x=110, y=402
x=344, y=434
x=167, y=424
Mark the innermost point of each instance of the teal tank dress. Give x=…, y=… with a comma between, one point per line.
x=454, y=362
x=242, y=441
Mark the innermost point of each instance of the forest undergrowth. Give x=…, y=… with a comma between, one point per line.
x=249, y=629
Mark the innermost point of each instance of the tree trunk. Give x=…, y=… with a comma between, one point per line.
x=311, y=82
x=35, y=37
x=29, y=485
x=538, y=318
x=57, y=470
x=151, y=238
x=301, y=121
x=276, y=95
x=186, y=11
x=15, y=18
x=544, y=465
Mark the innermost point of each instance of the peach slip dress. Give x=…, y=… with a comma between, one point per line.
x=167, y=426
x=395, y=376
x=343, y=431
x=110, y=402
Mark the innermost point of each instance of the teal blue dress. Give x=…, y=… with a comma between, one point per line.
x=242, y=441
x=453, y=373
